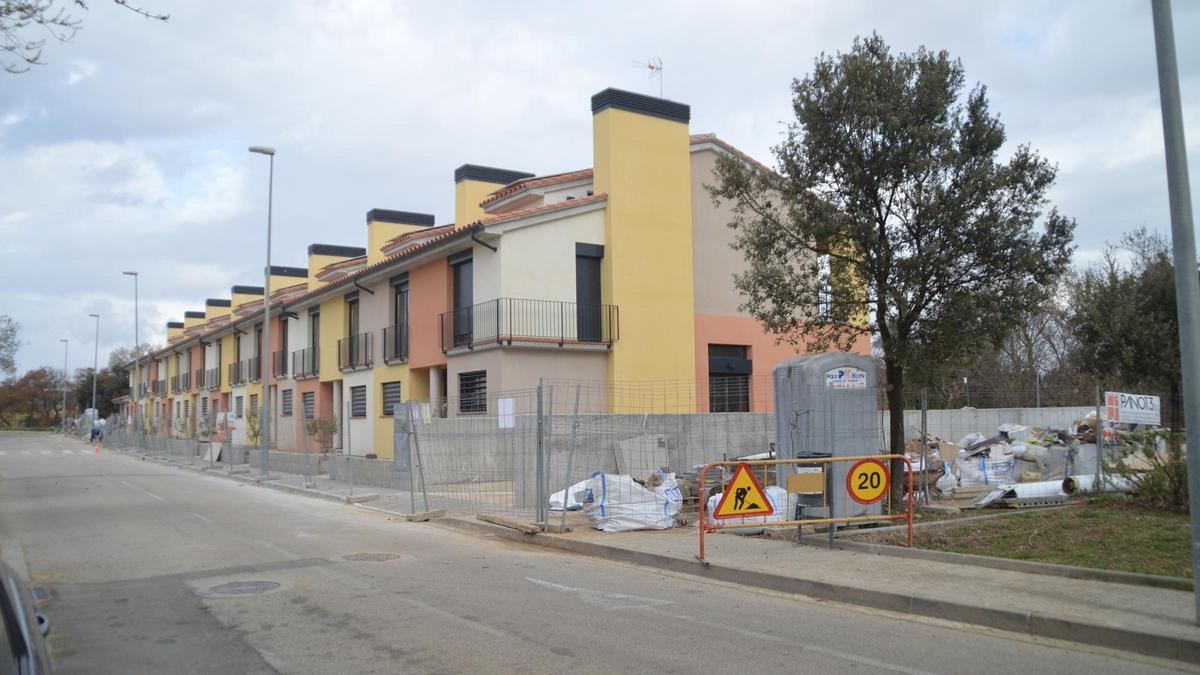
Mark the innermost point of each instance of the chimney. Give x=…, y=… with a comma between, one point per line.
x=642, y=161
x=216, y=307
x=320, y=255
x=384, y=224
x=174, y=328
x=192, y=319
x=473, y=183
x=282, y=277
x=240, y=295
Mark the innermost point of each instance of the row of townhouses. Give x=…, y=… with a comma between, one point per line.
x=618, y=272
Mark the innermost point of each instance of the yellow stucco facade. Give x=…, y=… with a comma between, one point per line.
x=642, y=162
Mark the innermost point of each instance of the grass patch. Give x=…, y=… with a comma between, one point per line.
x=1102, y=533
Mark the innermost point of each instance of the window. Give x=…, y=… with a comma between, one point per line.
x=397, y=337
x=463, y=297
x=187, y=408
x=472, y=392
x=309, y=400
x=237, y=406
x=729, y=372
x=587, y=291
x=358, y=401
x=285, y=403
x=177, y=408
x=390, y=393
x=204, y=407
x=253, y=404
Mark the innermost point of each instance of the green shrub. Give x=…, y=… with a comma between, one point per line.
x=1156, y=465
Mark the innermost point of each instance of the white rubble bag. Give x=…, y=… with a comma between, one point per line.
x=981, y=471
x=779, y=503
x=949, y=480
x=571, y=496
x=616, y=503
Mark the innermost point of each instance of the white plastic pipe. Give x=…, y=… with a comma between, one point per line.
x=1109, y=483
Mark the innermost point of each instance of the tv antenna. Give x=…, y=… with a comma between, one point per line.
x=654, y=68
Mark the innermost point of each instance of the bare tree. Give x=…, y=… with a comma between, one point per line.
x=26, y=26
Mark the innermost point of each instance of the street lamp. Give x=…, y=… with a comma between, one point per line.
x=66, y=346
x=263, y=426
x=95, y=364
x=137, y=358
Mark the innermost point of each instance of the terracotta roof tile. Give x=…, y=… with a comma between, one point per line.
x=417, y=234
x=535, y=182
x=712, y=138
x=342, y=264
x=548, y=208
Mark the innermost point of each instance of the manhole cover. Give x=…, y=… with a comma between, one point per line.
x=372, y=557
x=244, y=588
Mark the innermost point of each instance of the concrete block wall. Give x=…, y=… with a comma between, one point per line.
x=366, y=472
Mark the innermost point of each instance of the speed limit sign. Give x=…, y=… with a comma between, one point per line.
x=868, y=481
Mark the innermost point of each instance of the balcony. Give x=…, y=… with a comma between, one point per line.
x=279, y=364
x=254, y=368
x=180, y=383
x=395, y=343
x=306, y=363
x=143, y=390
x=354, y=352
x=198, y=382
x=237, y=373
x=161, y=387
x=212, y=378
x=549, y=323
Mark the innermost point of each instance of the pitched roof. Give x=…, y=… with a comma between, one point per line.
x=416, y=234
x=535, y=182
x=548, y=208
x=696, y=139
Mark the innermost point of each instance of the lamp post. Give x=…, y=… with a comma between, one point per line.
x=95, y=364
x=1183, y=241
x=66, y=346
x=137, y=358
x=264, y=429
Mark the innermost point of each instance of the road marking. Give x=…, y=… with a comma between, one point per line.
x=3, y=453
x=201, y=517
x=68, y=452
x=602, y=599
x=25, y=452
x=45, y=452
x=131, y=485
x=855, y=658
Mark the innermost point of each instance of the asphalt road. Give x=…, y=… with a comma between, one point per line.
x=151, y=569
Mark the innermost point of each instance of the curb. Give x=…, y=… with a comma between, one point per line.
x=279, y=487
x=1027, y=566
x=1029, y=623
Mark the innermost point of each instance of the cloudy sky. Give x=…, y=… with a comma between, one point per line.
x=128, y=149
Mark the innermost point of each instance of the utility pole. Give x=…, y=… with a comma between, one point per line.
x=265, y=352
x=66, y=347
x=1183, y=240
x=95, y=364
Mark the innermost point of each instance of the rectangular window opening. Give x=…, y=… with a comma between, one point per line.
x=472, y=392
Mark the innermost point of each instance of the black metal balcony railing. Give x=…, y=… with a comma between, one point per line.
x=143, y=389
x=185, y=381
x=306, y=362
x=212, y=378
x=395, y=343
x=504, y=320
x=198, y=382
x=279, y=364
x=354, y=352
x=237, y=373
x=254, y=368
x=161, y=389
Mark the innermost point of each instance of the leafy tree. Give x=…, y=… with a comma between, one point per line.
x=123, y=356
x=1125, y=321
x=33, y=400
x=111, y=383
x=892, y=215
x=26, y=26
x=9, y=341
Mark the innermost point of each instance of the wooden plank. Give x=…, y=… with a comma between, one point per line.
x=527, y=528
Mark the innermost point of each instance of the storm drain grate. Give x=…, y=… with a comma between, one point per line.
x=372, y=557
x=244, y=588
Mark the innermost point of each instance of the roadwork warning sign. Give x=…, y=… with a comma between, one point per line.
x=743, y=496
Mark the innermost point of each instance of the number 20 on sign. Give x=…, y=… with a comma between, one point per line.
x=867, y=481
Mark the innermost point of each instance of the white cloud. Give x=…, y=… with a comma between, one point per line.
x=80, y=71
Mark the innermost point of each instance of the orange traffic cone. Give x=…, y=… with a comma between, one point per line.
x=96, y=449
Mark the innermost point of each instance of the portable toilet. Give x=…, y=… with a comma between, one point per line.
x=828, y=405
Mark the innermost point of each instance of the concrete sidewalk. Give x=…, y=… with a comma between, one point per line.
x=1145, y=620
x=1141, y=619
